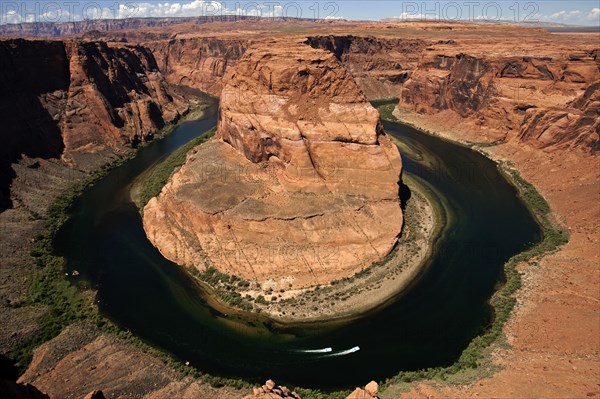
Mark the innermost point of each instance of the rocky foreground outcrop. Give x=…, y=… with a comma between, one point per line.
x=79, y=101
x=370, y=391
x=299, y=188
x=270, y=390
x=12, y=390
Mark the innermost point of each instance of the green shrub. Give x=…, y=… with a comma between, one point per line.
x=160, y=174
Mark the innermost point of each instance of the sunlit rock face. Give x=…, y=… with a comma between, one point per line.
x=299, y=187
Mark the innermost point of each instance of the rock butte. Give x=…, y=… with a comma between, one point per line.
x=299, y=187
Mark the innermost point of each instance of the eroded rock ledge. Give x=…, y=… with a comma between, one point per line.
x=300, y=186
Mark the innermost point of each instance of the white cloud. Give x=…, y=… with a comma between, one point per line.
x=190, y=9
x=333, y=17
x=145, y=9
x=409, y=16
x=19, y=12
x=594, y=15
x=11, y=17
x=574, y=17
x=562, y=15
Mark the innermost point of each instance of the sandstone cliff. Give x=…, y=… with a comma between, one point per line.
x=116, y=96
x=301, y=186
x=78, y=100
x=199, y=62
x=502, y=92
x=379, y=64
x=482, y=86
x=509, y=94
x=577, y=124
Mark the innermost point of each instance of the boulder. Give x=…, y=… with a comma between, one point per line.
x=370, y=392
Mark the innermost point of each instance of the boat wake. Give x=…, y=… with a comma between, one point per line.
x=344, y=352
x=324, y=350
x=327, y=352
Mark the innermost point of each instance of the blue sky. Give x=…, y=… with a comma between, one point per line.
x=583, y=12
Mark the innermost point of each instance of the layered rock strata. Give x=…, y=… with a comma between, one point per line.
x=299, y=188
x=380, y=65
x=199, y=62
x=514, y=89
x=576, y=124
x=79, y=101
x=531, y=98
